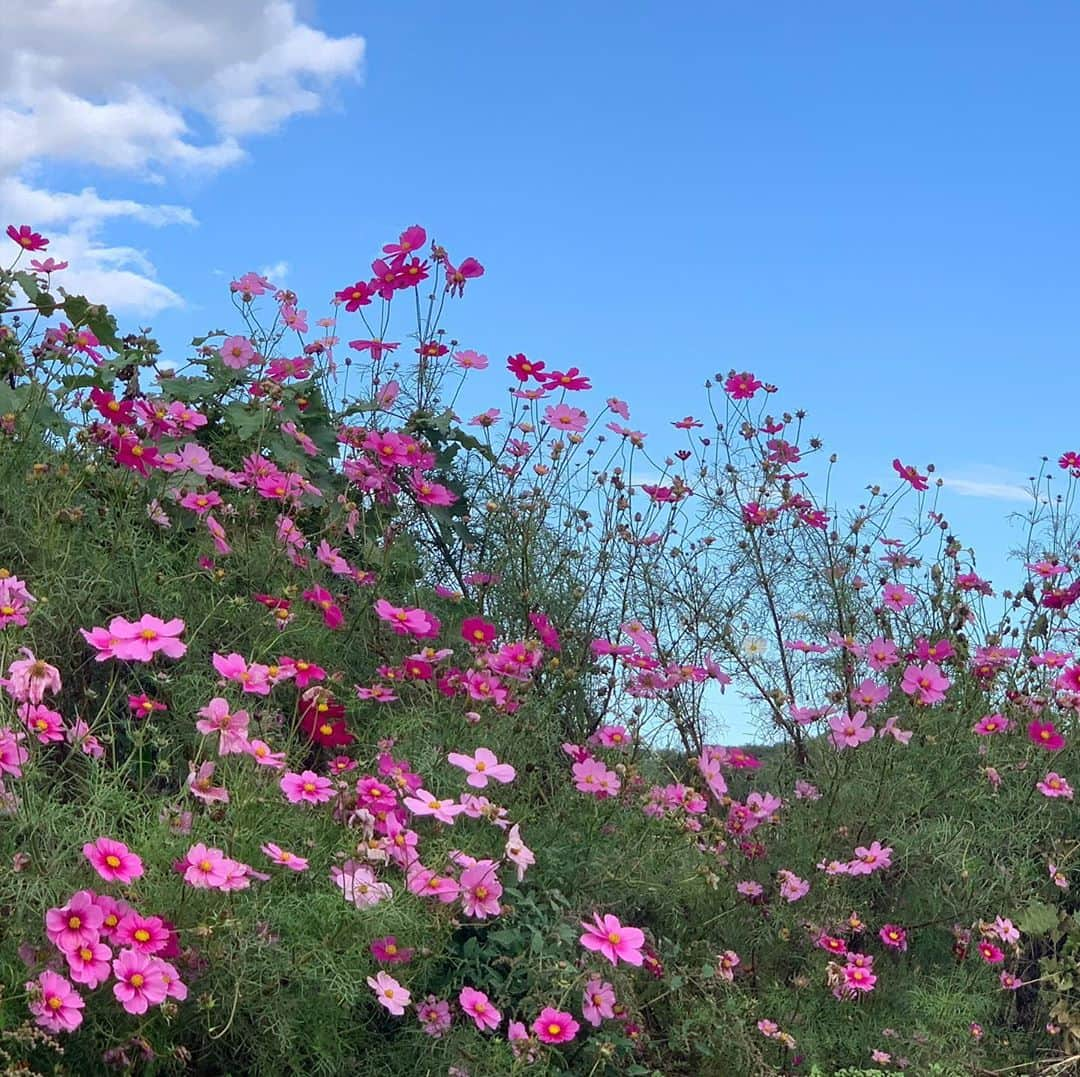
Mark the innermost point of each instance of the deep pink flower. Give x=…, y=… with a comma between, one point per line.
x=113, y=860
x=29, y=240
x=1045, y=735
x=387, y=952
x=607, y=936
x=555, y=1026
x=849, y=731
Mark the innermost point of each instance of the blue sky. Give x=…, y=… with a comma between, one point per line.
x=873, y=206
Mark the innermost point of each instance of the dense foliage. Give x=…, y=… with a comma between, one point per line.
x=342, y=734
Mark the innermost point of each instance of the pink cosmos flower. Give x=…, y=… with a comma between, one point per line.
x=233, y=726
x=926, y=683
x=434, y=1015
x=518, y=852
x=479, y=1008
x=141, y=640
x=792, y=888
x=896, y=597
x=555, y=1026
x=236, y=352
x=482, y=767
x=252, y=678
x=147, y=934
x=204, y=868
x=592, y=776
x=43, y=722
x=990, y=724
x=30, y=678
x=427, y=883
x=12, y=754
x=113, y=860
x=1045, y=735
x=389, y=993
x=264, y=755
x=893, y=936
x=76, y=924
x=565, y=417
x=387, y=951
x=481, y=890
x=858, y=978
x=726, y=964
x=607, y=936
x=89, y=965
x=425, y=803
x=1054, y=785
x=869, y=859
x=54, y=1003
x=306, y=787
x=359, y=884
x=990, y=953
x=201, y=784
x=598, y=1001
x=849, y=731
x=283, y=858
x=140, y=982
x=869, y=694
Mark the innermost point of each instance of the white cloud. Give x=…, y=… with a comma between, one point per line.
x=146, y=89
x=998, y=491
x=276, y=272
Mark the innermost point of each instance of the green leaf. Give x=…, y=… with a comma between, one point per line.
x=246, y=420
x=1038, y=918
x=80, y=311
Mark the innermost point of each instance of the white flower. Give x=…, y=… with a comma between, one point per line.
x=754, y=647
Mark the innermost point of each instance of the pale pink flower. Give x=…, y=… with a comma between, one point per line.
x=479, y=1008
x=481, y=890
x=849, y=731
x=1054, y=785
x=231, y=725
x=284, y=858
x=482, y=767
x=205, y=868
x=30, y=678
x=518, y=852
x=598, y=1001
x=425, y=803
x=389, y=993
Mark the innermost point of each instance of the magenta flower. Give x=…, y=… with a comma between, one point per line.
x=1045, y=735
x=555, y=1026
x=387, y=952
x=306, y=788
x=113, y=860
x=896, y=597
x=55, y=1004
x=859, y=978
x=990, y=724
x=140, y=982
x=29, y=240
x=389, y=993
x=609, y=937
x=236, y=352
x=479, y=1008
x=482, y=767
x=990, y=953
x=592, y=776
x=893, y=936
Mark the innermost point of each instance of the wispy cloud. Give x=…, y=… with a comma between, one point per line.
x=276, y=273
x=994, y=490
